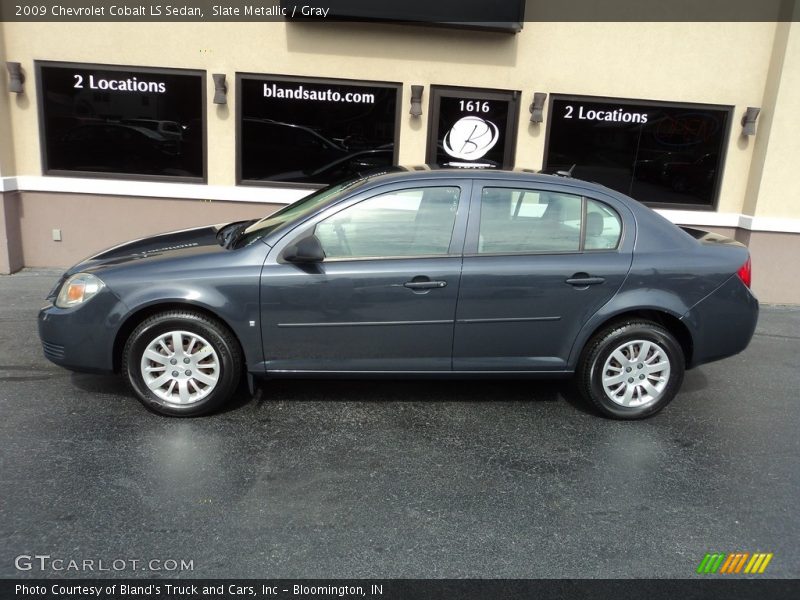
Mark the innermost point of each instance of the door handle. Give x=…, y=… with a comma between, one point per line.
x=424, y=285
x=583, y=280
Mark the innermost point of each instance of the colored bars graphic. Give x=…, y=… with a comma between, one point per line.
x=734, y=563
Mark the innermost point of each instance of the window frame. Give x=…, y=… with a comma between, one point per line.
x=491, y=94
x=472, y=241
x=241, y=75
x=723, y=150
x=132, y=69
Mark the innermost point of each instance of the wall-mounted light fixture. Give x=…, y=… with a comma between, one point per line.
x=749, y=120
x=416, y=100
x=537, y=107
x=220, y=88
x=15, y=77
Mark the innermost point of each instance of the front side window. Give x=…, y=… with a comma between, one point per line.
x=414, y=222
x=122, y=121
x=537, y=221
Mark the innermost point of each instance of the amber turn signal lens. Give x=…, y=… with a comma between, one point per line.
x=77, y=289
x=75, y=292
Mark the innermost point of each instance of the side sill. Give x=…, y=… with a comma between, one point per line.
x=286, y=373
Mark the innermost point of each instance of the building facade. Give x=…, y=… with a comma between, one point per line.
x=119, y=130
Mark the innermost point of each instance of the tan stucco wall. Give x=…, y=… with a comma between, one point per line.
x=717, y=63
x=109, y=220
x=777, y=191
x=10, y=237
x=776, y=270
x=6, y=145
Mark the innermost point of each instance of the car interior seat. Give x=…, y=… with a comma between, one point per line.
x=594, y=231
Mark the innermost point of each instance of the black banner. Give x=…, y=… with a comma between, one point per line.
x=402, y=589
x=507, y=15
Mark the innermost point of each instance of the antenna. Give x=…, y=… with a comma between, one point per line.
x=566, y=173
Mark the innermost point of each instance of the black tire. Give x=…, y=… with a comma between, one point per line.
x=617, y=336
x=223, y=344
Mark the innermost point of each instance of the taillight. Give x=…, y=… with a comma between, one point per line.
x=745, y=272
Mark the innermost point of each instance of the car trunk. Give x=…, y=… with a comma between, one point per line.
x=708, y=237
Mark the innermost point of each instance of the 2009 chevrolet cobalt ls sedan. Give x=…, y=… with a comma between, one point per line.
x=419, y=272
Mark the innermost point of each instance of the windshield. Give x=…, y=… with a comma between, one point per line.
x=294, y=212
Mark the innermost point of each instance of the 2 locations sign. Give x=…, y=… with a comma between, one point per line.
x=618, y=115
x=301, y=130
x=131, y=84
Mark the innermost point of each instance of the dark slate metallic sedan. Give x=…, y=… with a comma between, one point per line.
x=415, y=272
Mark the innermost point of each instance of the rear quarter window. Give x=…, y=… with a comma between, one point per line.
x=603, y=226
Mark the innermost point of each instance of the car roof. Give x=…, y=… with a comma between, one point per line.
x=406, y=173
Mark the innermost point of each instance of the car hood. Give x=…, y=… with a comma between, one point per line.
x=185, y=242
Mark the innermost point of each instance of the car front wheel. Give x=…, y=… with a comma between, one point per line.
x=631, y=370
x=182, y=363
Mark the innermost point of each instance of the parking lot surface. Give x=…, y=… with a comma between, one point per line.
x=404, y=478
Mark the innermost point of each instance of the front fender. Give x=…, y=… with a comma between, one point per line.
x=232, y=297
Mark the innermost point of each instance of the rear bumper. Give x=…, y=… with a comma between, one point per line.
x=723, y=323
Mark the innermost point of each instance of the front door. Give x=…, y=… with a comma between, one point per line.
x=384, y=298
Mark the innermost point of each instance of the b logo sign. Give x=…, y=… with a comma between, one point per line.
x=470, y=138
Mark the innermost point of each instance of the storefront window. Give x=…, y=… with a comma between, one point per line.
x=129, y=122
x=662, y=154
x=315, y=131
x=472, y=128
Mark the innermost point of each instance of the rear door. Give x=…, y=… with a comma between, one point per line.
x=539, y=261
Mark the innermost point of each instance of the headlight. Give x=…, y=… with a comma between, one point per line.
x=77, y=289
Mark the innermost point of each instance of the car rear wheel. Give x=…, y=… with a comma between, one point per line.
x=631, y=369
x=182, y=363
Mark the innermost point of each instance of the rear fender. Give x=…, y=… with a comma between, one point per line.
x=644, y=299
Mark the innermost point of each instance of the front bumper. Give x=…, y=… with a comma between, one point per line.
x=82, y=338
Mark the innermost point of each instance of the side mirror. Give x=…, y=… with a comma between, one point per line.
x=307, y=250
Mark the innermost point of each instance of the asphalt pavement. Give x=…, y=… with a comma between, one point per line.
x=404, y=478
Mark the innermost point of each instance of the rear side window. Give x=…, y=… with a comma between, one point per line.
x=519, y=221
x=537, y=221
